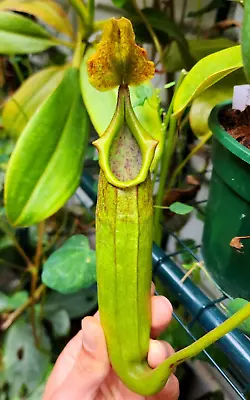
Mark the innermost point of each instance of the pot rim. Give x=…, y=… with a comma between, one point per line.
x=222, y=135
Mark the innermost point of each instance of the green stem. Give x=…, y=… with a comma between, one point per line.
x=170, y=121
x=211, y=337
x=155, y=175
x=29, y=67
x=91, y=11
x=199, y=19
x=17, y=69
x=7, y=230
x=185, y=161
x=60, y=42
x=79, y=50
x=183, y=73
x=164, y=174
x=163, y=207
x=19, y=311
x=183, y=11
x=81, y=10
x=149, y=28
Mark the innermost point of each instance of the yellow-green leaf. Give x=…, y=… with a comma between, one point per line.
x=45, y=167
x=204, y=74
x=203, y=104
x=101, y=105
x=29, y=98
x=20, y=35
x=47, y=11
x=199, y=48
x=118, y=60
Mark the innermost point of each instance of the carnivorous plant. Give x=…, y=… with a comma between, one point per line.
x=124, y=219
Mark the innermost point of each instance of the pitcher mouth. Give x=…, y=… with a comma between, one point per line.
x=125, y=117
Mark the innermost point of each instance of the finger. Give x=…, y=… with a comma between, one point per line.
x=171, y=390
x=158, y=352
x=97, y=316
x=161, y=314
x=92, y=364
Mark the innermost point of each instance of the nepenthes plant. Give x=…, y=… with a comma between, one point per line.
x=44, y=171
x=124, y=220
x=49, y=114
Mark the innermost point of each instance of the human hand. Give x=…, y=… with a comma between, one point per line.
x=83, y=370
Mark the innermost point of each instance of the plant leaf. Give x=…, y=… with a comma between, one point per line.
x=72, y=267
x=47, y=11
x=60, y=322
x=161, y=22
x=101, y=105
x=213, y=5
x=235, y=305
x=17, y=299
x=53, y=142
x=185, y=256
x=180, y=208
x=37, y=394
x=23, y=363
x=76, y=304
x=199, y=48
x=14, y=301
x=204, y=74
x=120, y=3
x=20, y=35
x=29, y=97
x=245, y=39
x=203, y=104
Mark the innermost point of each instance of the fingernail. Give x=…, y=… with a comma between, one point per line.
x=89, y=340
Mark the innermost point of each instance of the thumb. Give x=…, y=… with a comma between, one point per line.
x=91, y=367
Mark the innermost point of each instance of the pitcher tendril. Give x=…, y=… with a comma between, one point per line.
x=124, y=221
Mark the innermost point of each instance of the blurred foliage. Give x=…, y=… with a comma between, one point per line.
x=54, y=261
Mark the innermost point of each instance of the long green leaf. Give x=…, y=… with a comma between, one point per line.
x=46, y=10
x=246, y=39
x=20, y=35
x=121, y=3
x=29, y=97
x=204, y=74
x=161, y=22
x=45, y=167
x=213, y=5
x=199, y=48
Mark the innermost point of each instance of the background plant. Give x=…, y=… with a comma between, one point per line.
x=39, y=46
